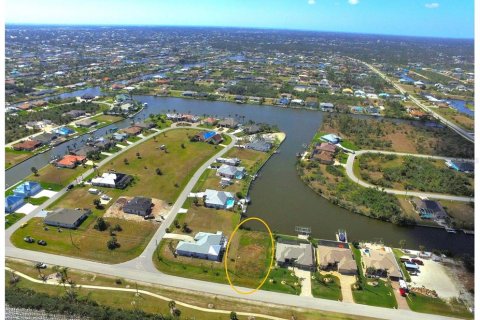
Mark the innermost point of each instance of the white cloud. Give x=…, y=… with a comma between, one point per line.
x=353, y=2
x=432, y=5
x=311, y=2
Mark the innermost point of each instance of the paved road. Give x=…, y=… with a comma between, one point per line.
x=354, y=178
x=142, y=269
x=461, y=131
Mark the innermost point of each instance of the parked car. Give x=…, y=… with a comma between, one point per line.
x=42, y=242
x=150, y=216
x=70, y=187
x=403, y=292
x=418, y=261
x=29, y=239
x=41, y=265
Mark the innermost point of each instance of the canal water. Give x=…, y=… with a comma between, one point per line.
x=278, y=195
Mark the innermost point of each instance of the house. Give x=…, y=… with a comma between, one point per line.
x=327, y=147
x=139, y=205
x=189, y=93
x=119, y=136
x=357, y=109
x=229, y=161
x=324, y=157
x=45, y=138
x=218, y=199
x=208, y=246
x=228, y=123
x=231, y=172
x=429, y=209
x=216, y=139
x=86, y=123
x=311, y=102
x=70, y=161
x=12, y=203
x=259, y=145
x=327, y=107
x=112, y=180
x=66, y=218
x=74, y=113
x=133, y=130
x=462, y=166
x=210, y=121
x=381, y=263
x=27, y=145
x=252, y=129
x=64, y=131
x=298, y=255
x=204, y=136
x=337, y=257
x=27, y=189
x=331, y=138
x=145, y=125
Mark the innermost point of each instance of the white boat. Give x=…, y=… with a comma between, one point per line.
x=450, y=230
x=145, y=105
x=342, y=235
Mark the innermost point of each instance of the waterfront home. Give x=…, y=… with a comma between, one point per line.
x=327, y=107
x=74, y=114
x=117, y=136
x=252, y=129
x=66, y=218
x=231, y=172
x=462, y=166
x=299, y=255
x=336, y=256
x=27, y=145
x=229, y=161
x=210, y=121
x=324, y=157
x=70, y=161
x=27, y=189
x=139, y=205
x=259, y=145
x=380, y=262
x=12, y=203
x=297, y=102
x=86, y=123
x=429, y=209
x=326, y=146
x=357, y=109
x=311, y=102
x=132, y=131
x=189, y=93
x=85, y=151
x=218, y=199
x=331, y=138
x=112, y=180
x=228, y=123
x=208, y=246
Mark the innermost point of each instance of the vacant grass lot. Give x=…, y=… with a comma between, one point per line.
x=380, y=295
x=250, y=158
x=462, y=213
x=86, y=242
x=57, y=178
x=13, y=157
x=457, y=117
x=417, y=174
x=321, y=289
x=202, y=219
x=453, y=308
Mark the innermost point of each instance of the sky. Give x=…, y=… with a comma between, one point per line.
x=431, y=18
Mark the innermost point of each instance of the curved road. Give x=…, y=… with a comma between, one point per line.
x=141, y=269
x=354, y=178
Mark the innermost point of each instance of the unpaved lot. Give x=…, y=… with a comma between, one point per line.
x=434, y=276
x=160, y=208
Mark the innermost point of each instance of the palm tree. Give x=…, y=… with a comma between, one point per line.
x=34, y=171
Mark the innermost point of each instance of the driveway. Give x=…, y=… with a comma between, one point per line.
x=401, y=301
x=177, y=236
x=306, y=281
x=346, y=283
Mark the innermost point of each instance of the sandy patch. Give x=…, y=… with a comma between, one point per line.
x=160, y=209
x=45, y=193
x=433, y=275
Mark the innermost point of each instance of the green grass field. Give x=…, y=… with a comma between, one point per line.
x=321, y=289
x=453, y=308
x=11, y=218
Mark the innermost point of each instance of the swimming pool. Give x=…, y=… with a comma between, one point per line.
x=230, y=203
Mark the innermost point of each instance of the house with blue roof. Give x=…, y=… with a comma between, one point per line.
x=208, y=246
x=64, y=131
x=332, y=138
x=27, y=189
x=12, y=203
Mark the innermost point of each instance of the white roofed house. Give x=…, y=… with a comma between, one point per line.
x=218, y=199
x=208, y=246
x=231, y=172
x=112, y=180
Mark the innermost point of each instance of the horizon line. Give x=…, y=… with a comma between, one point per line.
x=230, y=27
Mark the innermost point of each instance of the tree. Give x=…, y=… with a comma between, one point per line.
x=34, y=171
x=125, y=161
x=183, y=146
x=403, y=244
x=112, y=244
x=158, y=171
x=96, y=203
x=233, y=315
x=138, y=155
x=101, y=224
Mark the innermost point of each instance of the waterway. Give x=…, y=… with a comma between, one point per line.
x=460, y=106
x=278, y=195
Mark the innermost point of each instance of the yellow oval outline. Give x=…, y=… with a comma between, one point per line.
x=271, y=258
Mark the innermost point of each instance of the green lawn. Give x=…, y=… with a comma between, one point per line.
x=13, y=157
x=56, y=178
x=321, y=289
x=453, y=308
x=11, y=218
x=380, y=295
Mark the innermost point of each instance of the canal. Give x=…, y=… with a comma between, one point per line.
x=278, y=195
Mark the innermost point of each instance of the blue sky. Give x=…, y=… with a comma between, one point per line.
x=436, y=18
